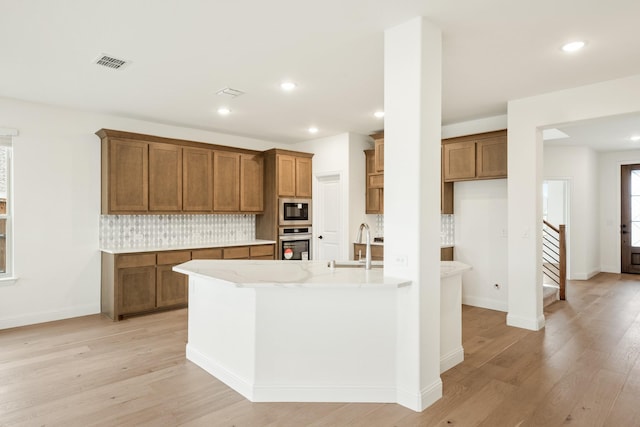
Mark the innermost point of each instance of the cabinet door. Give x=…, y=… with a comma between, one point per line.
x=251, y=183
x=128, y=176
x=303, y=177
x=171, y=287
x=379, y=155
x=226, y=181
x=459, y=161
x=197, y=180
x=165, y=177
x=286, y=175
x=374, y=185
x=136, y=289
x=262, y=252
x=492, y=157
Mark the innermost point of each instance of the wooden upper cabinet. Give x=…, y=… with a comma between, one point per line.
x=286, y=175
x=197, y=180
x=226, y=181
x=303, y=177
x=379, y=154
x=491, y=161
x=459, y=161
x=374, y=185
x=251, y=183
x=294, y=176
x=481, y=156
x=165, y=177
x=125, y=176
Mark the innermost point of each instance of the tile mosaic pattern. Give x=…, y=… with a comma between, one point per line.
x=131, y=231
x=447, y=230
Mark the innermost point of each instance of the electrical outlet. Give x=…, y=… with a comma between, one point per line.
x=401, y=260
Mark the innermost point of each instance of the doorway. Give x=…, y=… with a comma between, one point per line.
x=630, y=218
x=328, y=217
x=556, y=209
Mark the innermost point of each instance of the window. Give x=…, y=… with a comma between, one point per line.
x=6, y=259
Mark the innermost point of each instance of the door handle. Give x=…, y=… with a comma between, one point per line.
x=320, y=237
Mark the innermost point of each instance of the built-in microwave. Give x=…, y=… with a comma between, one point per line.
x=294, y=212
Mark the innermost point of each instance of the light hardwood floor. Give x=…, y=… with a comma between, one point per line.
x=583, y=369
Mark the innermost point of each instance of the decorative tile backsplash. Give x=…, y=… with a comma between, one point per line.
x=447, y=230
x=131, y=231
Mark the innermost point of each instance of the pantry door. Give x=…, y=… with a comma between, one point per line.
x=630, y=219
x=327, y=218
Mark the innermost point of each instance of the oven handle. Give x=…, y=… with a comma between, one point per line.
x=291, y=237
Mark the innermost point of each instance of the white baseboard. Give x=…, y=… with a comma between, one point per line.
x=48, y=316
x=241, y=385
x=584, y=276
x=291, y=393
x=533, y=324
x=419, y=402
x=450, y=360
x=481, y=302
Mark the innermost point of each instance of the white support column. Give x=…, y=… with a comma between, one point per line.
x=413, y=88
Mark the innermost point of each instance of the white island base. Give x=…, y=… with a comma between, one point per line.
x=282, y=331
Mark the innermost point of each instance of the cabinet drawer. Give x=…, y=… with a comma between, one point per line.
x=135, y=260
x=264, y=257
x=376, y=180
x=177, y=257
x=262, y=250
x=239, y=252
x=211, y=253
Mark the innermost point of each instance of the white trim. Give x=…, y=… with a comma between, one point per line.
x=327, y=393
x=491, y=304
x=584, y=276
x=49, y=316
x=450, y=360
x=237, y=383
x=526, y=323
x=419, y=402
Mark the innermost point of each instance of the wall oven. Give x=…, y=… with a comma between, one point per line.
x=294, y=212
x=294, y=243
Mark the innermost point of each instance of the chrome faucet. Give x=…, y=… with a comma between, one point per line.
x=367, y=258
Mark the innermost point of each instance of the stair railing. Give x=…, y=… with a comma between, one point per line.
x=554, y=255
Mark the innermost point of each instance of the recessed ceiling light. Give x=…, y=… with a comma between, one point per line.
x=573, y=46
x=313, y=130
x=288, y=86
x=635, y=138
x=379, y=114
x=223, y=111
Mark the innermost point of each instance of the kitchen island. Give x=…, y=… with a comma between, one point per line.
x=295, y=331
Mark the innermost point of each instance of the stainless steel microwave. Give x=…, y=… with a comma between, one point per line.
x=294, y=211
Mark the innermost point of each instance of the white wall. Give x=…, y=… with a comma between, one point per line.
x=609, y=165
x=480, y=212
x=580, y=166
x=341, y=155
x=57, y=207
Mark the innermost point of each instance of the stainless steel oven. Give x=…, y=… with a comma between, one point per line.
x=294, y=212
x=294, y=243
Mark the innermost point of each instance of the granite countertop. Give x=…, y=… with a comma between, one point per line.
x=184, y=246
x=288, y=274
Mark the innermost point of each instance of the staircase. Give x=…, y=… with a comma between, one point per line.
x=554, y=263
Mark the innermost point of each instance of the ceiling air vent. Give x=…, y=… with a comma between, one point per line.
x=111, y=62
x=231, y=93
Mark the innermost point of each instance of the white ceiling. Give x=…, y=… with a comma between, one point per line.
x=183, y=52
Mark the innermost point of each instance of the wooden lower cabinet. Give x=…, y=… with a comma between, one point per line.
x=140, y=283
x=360, y=249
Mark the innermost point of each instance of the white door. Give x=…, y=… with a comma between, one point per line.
x=327, y=222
